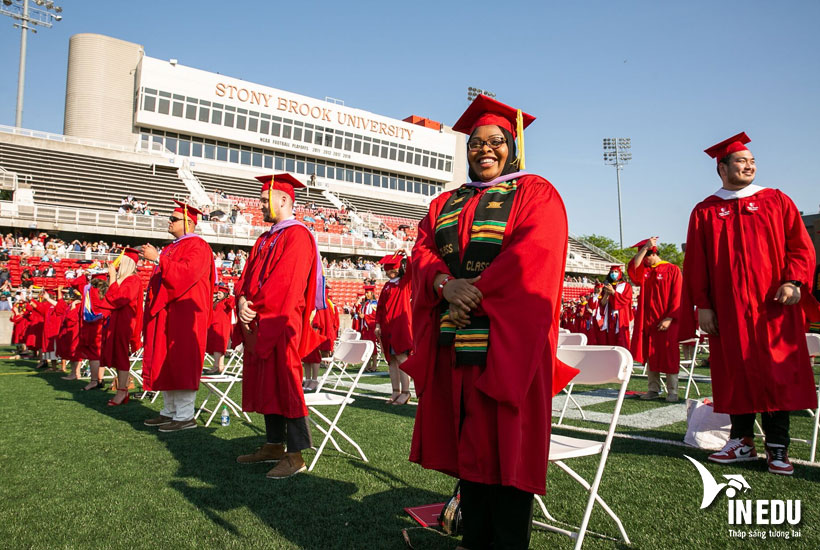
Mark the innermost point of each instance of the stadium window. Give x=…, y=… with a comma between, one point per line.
x=348, y=144
x=358, y=177
x=349, y=175
x=228, y=121
x=204, y=114
x=318, y=138
x=417, y=160
x=290, y=164
x=253, y=124
x=441, y=164
x=279, y=163
x=300, y=167
x=368, y=178
x=375, y=150
x=311, y=167
x=222, y=153
x=366, y=148
x=190, y=112
x=275, y=129
x=393, y=183
x=286, y=131
x=392, y=153
x=196, y=150
x=337, y=142
x=177, y=109
x=376, y=180
x=328, y=140
x=416, y=187
x=268, y=161
x=331, y=174
x=264, y=127
x=297, y=134
x=245, y=158
x=234, y=155
x=448, y=166
x=401, y=156
x=216, y=117
x=241, y=121
x=401, y=184
x=184, y=148
x=171, y=144
x=257, y=159
x=320, y=170
x=149, y=103
x=308, y=138
x=164, y=106
x=210, y=151
x=384, y=152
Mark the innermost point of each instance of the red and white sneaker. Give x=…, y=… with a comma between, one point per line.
x=735, y=450
x=777, y=456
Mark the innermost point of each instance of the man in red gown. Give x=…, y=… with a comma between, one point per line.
x=748, y=268
x=177, y=316
x=616, y=308
x=274, y=298
x=655, y=335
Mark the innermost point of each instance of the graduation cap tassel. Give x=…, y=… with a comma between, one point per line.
x=117, y=261
x=185, y=217
x=519, y=129
x=270, y=200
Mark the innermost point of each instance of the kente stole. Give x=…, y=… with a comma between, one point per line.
x=486, y=236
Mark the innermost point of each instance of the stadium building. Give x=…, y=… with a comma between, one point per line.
x=157, y=130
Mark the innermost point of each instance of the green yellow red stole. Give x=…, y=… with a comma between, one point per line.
x=486, y=236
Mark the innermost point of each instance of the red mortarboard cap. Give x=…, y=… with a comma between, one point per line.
x=615, y=268
x=133, y=253
x=369, y=287
x=223, y=287
x=182, y=207
x=391, y=261
x=281, y=182
x=653, y=249
x=485, y=110
x=100, y=276
x=728, y=146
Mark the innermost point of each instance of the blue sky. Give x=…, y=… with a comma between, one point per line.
x=674, y=77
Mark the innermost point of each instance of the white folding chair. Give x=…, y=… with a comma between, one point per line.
x=354, y=352
x=563, y=331
x=688, y=365
x=229, y=377
x=598, y=365
x=813, y=342
x=571, y=339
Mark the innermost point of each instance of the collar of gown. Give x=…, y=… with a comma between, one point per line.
x=747, y=191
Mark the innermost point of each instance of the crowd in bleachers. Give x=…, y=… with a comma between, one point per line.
x=130, y=205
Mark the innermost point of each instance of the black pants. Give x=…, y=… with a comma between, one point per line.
x=775, y=426
x=296, y=431
x=495, y=516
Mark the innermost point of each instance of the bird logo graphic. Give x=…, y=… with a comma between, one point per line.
x=711, y=488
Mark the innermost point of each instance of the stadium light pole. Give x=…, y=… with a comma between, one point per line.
x=617, y=152
x=28, y=20
x=472, y=93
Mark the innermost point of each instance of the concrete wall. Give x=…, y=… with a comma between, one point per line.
x=5, y=328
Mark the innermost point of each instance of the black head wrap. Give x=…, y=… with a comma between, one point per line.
x=510, y=165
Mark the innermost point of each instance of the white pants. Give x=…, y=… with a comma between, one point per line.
x=178, y=404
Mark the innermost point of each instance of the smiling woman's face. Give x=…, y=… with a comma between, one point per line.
x=485, y=161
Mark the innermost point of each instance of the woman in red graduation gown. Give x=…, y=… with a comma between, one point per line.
x=219, y=332
x=68, y=339
x=18, y=318
x=488, y=272
x=393, y=323
x=123, y=332
x=92, y=321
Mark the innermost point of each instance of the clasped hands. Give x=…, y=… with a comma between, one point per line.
x=462, y=296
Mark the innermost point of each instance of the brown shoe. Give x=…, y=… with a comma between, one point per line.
x=269, y=452
x=290, y=465
x=158, y=421
x=178, y=425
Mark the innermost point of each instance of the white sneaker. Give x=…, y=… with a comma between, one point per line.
x=735, y=450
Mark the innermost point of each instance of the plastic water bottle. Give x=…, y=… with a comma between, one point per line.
x=226, y=418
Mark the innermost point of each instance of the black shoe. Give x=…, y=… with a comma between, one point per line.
x=98, y=386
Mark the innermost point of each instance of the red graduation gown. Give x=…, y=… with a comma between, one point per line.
x=34, y=329
x=738, y=253
x=18, y=334
x=619, y=310
x=124, y=328
x=219, y=332
x=177, y=315
x=368, y=320
x=52, y=317
x=330, y=322
x=69, y=337
x=91, y=332
x=661, y=287
x=394, y=315
x=280, y=279
x=504, y=435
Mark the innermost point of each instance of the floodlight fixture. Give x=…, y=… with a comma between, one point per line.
x=617, y=152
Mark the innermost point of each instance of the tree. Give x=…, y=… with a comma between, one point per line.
x=667, y=251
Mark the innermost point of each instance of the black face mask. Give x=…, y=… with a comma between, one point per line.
x=510, y=165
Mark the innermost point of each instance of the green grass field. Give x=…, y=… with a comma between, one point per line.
x=79, y=474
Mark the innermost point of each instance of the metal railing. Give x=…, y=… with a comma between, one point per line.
x=67, y=139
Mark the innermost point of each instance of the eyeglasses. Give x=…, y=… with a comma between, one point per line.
x=494, y=142
x=173, y=219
